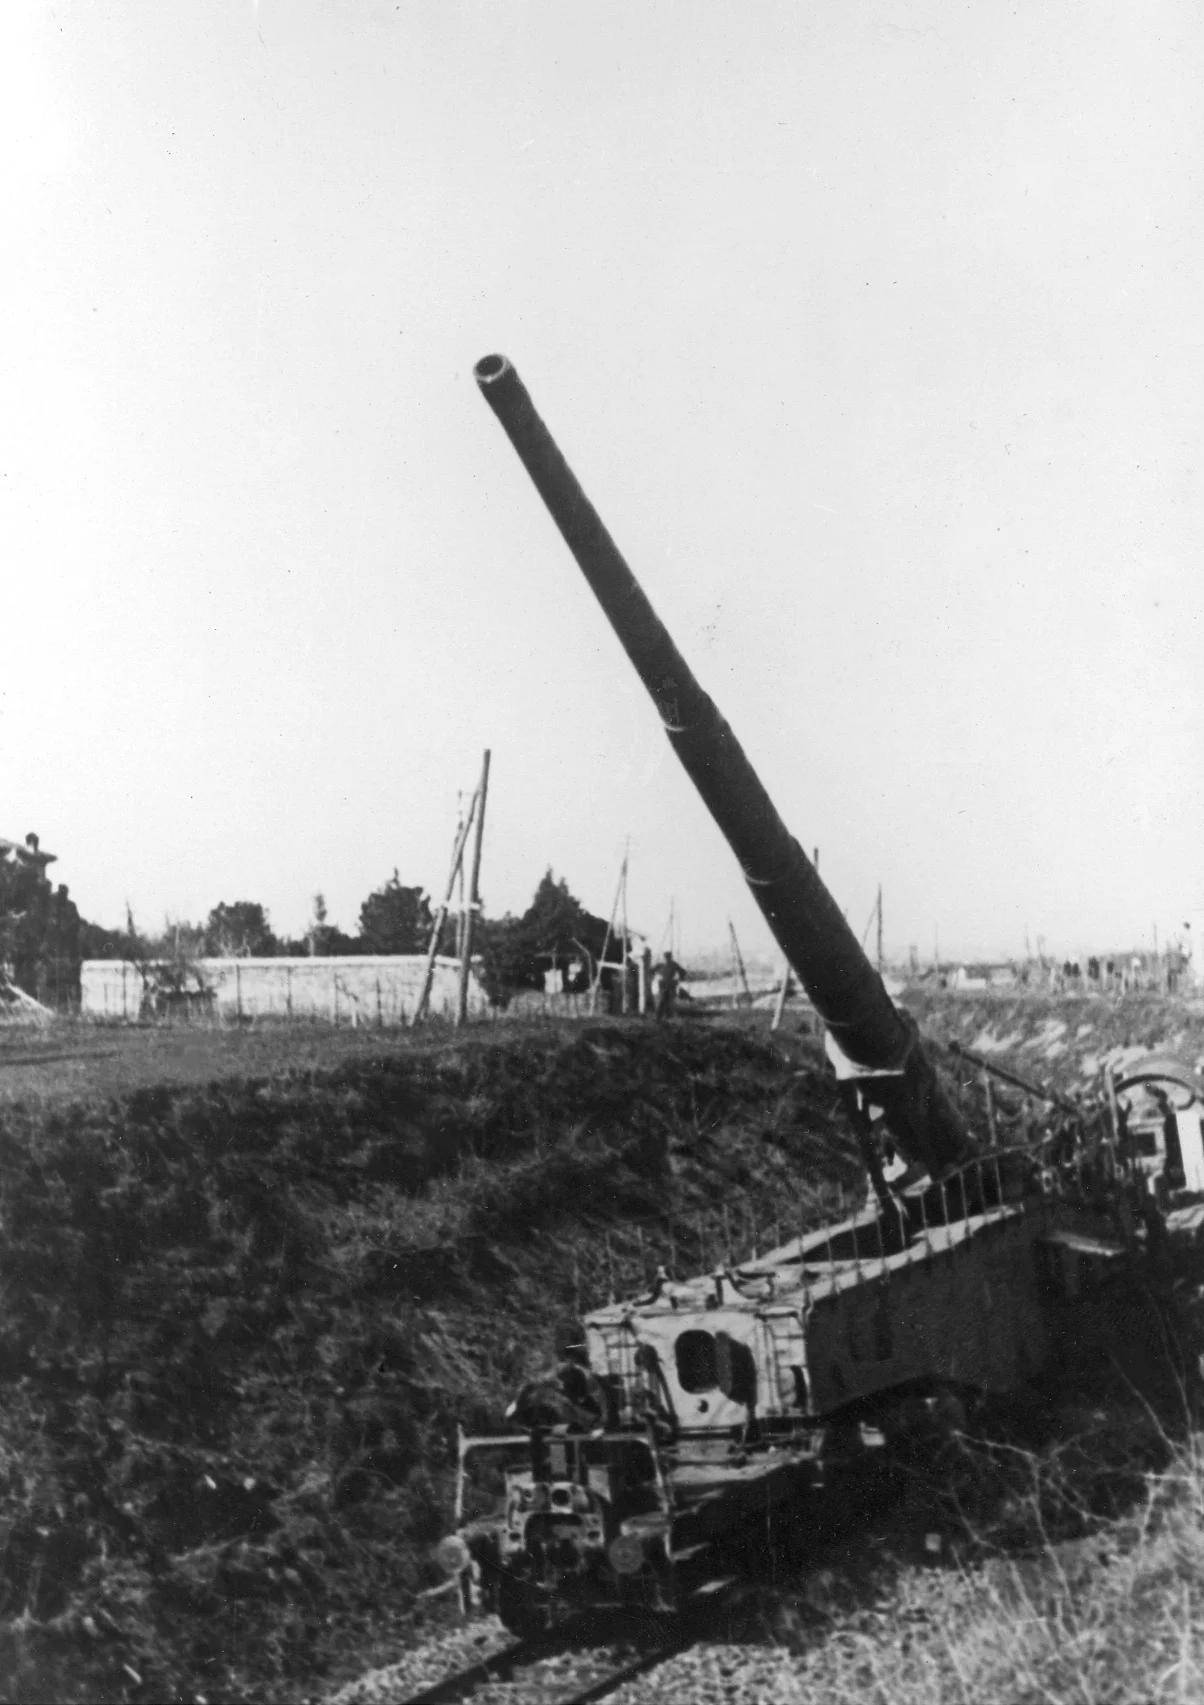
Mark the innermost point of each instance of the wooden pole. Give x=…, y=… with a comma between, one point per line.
x=474, y=891
x=783, y=997
x=739, y=963
x=441, y=915
x=461, y=912
x=880, y=929
x=624, y=1000
x=610, y=930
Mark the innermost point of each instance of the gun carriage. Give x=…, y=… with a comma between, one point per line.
x=709, y=1400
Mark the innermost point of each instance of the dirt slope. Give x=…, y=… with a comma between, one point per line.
x=1064, y=1040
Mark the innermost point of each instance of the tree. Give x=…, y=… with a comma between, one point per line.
x=395, y=919
x=555, y=929
x=40, y=925
x=98, y=942
x=239, y=931
x=326, y=940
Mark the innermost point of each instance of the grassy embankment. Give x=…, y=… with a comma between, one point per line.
x=1072, y=1573
x=243, y=1316
x=1063, y=1040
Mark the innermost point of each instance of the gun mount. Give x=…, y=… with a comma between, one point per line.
x=727, y=1400
x=876, y=1045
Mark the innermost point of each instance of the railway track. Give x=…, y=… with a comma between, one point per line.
x=569, y=1668
x=593, y=1656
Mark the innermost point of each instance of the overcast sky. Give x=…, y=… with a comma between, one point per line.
x=872, y=330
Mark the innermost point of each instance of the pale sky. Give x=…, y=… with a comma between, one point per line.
x=872, y=330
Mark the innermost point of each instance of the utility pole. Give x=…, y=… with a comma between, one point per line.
x=623, y=999
x=739, y=964
x=783, y=997
x=474, y=892
x=460, y=890
x=441, y=914
x=620, y=895
x=880, y=929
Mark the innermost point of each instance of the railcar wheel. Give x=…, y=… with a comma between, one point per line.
x=525, y=1613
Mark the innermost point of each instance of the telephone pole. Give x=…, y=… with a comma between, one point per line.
x=441, y=915
x=474, y=892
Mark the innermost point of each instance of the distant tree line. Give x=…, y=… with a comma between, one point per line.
x=43, y=938
x=393, y=919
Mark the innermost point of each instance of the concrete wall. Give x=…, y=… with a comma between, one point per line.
x=379, y=989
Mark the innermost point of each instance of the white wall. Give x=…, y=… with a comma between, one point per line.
x=380, y=989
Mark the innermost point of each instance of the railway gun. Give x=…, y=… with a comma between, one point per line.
x=712, y=1401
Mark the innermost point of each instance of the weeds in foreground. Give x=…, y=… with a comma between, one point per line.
x=1048, y=1600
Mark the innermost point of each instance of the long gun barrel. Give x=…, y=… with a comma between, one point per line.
x=878, y=1041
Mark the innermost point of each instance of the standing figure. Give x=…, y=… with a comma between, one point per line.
x=668, y=974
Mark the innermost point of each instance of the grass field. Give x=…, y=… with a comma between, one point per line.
x=1060, y=1040
x=76, y=1060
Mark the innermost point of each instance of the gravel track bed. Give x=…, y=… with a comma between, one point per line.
x=744, y=1674
x=425, y=1666
x=736, y=1674
x=559, y=1676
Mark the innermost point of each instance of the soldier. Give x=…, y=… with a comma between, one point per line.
x=570, y=1398
x=670, y=973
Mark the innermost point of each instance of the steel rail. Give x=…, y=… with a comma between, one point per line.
x=506, y=1668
